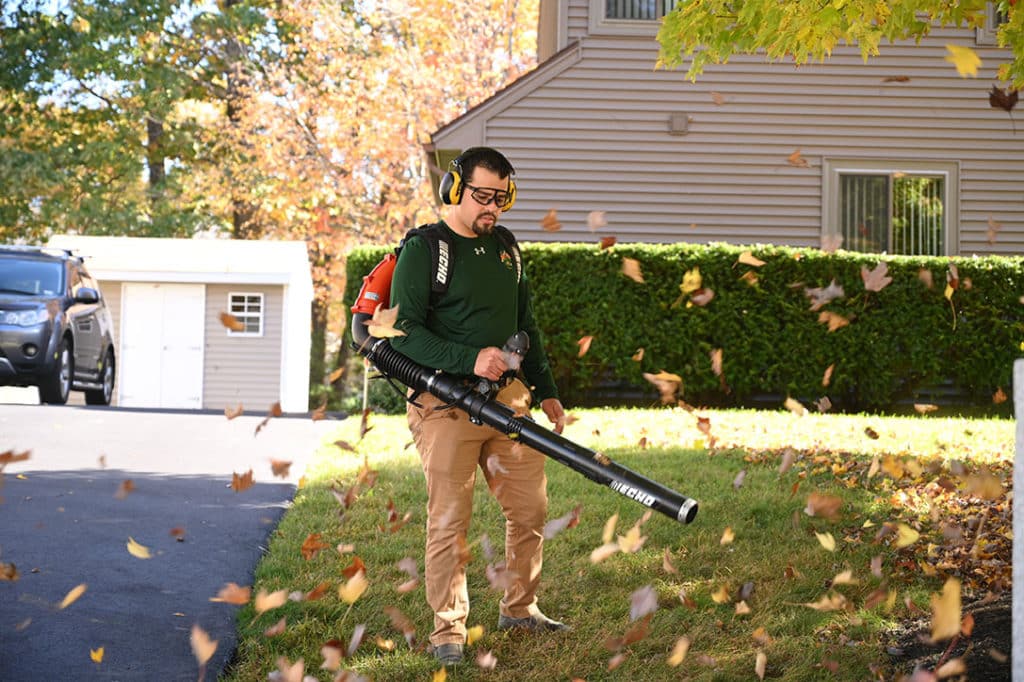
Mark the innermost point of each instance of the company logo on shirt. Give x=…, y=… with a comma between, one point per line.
x=506, y=259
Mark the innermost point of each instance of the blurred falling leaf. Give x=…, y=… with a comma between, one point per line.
x=830, y=243
x=335, y=375
x=439, y=675
x=667, y=384
x=354, y=588
x=925, y=408
x=382, y=324
x=692, y=281
x=993, y=228
x=946, y=611
x=748, y=258
x=834, y=602
x=721, y=595
x=760, y=663
x=312, y=546
x=473, y=634
x=72, y=596
x=631, y=269
x=138, y=551
x=826, y=379
x=666, y=563
x=550, y=221
x=8, y=572
x=896, y=79
x=823, y=506
x=737, y=482
x=844, y=578
x=320, y=412
x=277, y=628
x=797, y=159
x=876, y=279
x=964, y=59
x=679, y=650
x=822, y=296
x=232, y=322
x=727, y=536
x=638, y=355
x=486, y=660
x=607, y=242
x=999, y=396
x=906, y=536
x=716, y=362
x=232, y=413
x=280, y=467
x=232, y=593
x=795, y=407
x=96, y=655
x=833, y=320
x=596, y=220
x=642, y=602
x=124, y=488
x=267, y=601
x=202, y=646
x=717, y=98
x=826, y=540
x=608, y=532
x=584, y=344
x=569, y=520
x=243, y=482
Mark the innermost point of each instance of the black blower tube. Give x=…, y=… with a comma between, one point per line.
x=484, y=410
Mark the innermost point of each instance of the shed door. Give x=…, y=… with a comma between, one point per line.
x=162, y=345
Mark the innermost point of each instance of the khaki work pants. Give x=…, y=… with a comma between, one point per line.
x=451, y=448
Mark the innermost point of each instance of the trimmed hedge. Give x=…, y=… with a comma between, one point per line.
x=903, y=342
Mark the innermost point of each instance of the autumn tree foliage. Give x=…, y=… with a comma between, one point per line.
x=710, y=31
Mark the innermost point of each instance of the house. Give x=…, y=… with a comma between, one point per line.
x=899, y=154
x=166, y=297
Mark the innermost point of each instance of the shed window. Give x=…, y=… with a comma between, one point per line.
x=897, y=210
x=247, y=309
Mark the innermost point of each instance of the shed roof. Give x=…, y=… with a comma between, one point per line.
x=191, y=260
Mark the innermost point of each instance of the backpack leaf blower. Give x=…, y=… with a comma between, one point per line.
x=483, y=409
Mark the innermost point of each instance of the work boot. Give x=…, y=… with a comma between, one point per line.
x=537, y=621
x=448, y=654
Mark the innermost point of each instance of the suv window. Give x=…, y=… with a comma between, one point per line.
x=30, y=276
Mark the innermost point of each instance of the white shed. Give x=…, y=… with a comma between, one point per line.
x=166, y=297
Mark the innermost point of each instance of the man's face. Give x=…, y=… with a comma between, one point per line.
x=472, y=212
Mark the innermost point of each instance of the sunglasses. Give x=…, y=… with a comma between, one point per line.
x=485, y=195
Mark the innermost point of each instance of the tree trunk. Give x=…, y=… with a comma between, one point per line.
x=155, y=155
x=244, y=224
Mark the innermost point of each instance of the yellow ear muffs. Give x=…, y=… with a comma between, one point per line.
x=511, y=196
x=450, y=189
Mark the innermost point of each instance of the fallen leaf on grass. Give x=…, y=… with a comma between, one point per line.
x=826, y=540
x=312, y=546
x=760, y=663
x=679, y=650
x=277, y=628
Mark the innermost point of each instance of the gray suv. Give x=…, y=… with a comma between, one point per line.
x=55, y=328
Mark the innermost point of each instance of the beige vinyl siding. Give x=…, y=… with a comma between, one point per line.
x=595, y=138
x=576, y=18
x=242, y=369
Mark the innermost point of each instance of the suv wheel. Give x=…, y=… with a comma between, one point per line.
x=102, y=396
x=54, y=389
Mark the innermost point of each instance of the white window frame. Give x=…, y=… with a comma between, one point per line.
x=243, y=316
x=986, y=35
x=601, y=25
x=832, y=168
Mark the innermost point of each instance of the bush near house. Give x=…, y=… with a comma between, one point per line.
x=941, y=326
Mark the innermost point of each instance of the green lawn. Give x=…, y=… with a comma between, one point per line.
x=945, y=478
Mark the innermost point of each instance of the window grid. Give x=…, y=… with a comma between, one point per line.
x=638, y=10
x=897, y=213
x=248, y=310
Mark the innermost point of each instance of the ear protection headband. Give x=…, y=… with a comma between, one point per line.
x=452, y=186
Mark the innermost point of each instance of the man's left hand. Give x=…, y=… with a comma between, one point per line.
x=556, y=415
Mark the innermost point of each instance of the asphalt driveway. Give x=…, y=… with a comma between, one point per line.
x=67, y=514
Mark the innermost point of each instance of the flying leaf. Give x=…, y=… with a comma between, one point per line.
x=631, y=269
x=721, y=595
x=830, y=243
x=795, y=407
x=642, y=602
x=946, y=611
x=486, y=660
x=232, y=413
x=243, y=482
x=797, y=159
x=716, y=362
x=835, y=602
x=748, y=258
x=335, y=375
x=473, y=634
x=232, y=322
x=667, y=384
x=760, y=663
x=638, y=355
x=607, y=242
x=826, y=540
x=717, y=98
x=126, y=487
x=844, y=578
x=877, y=279
x=826, y=379
x=821, y=296
x=312, y=546
x=584, y=344
x=737, y=482
x=267, y=601
x=993, y=229
x=925, y=408
x=905, y=535
x=999, y=396
x=702, y=297
x=354, y=588
x=280, y=467
x=556, y=526
x=96, y=655
x=202, y=646
x=823, y=506
x=727, y=536
x=8, y=572
x=609, y=528
x=596, y=220
x=320, y=412
x=964, y=59
x=692, y=281
x=679, y=650
x=72, y=596
x=332, y=653
x=550, y=221
x=382, y=324
x=232, y=593
x=999, y=98
x=440, y=675
x=138, y=551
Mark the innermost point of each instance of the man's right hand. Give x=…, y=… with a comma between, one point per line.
x=490, y=363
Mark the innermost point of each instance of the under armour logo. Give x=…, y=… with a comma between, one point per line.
x=479, y=251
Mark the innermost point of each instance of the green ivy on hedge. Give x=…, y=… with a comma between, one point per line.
x=903, y=342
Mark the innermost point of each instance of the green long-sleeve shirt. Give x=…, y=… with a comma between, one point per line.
x=483, y=307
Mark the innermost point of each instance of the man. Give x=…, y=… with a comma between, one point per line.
x=462, y=333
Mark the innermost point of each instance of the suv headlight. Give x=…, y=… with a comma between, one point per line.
x=24, y=318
